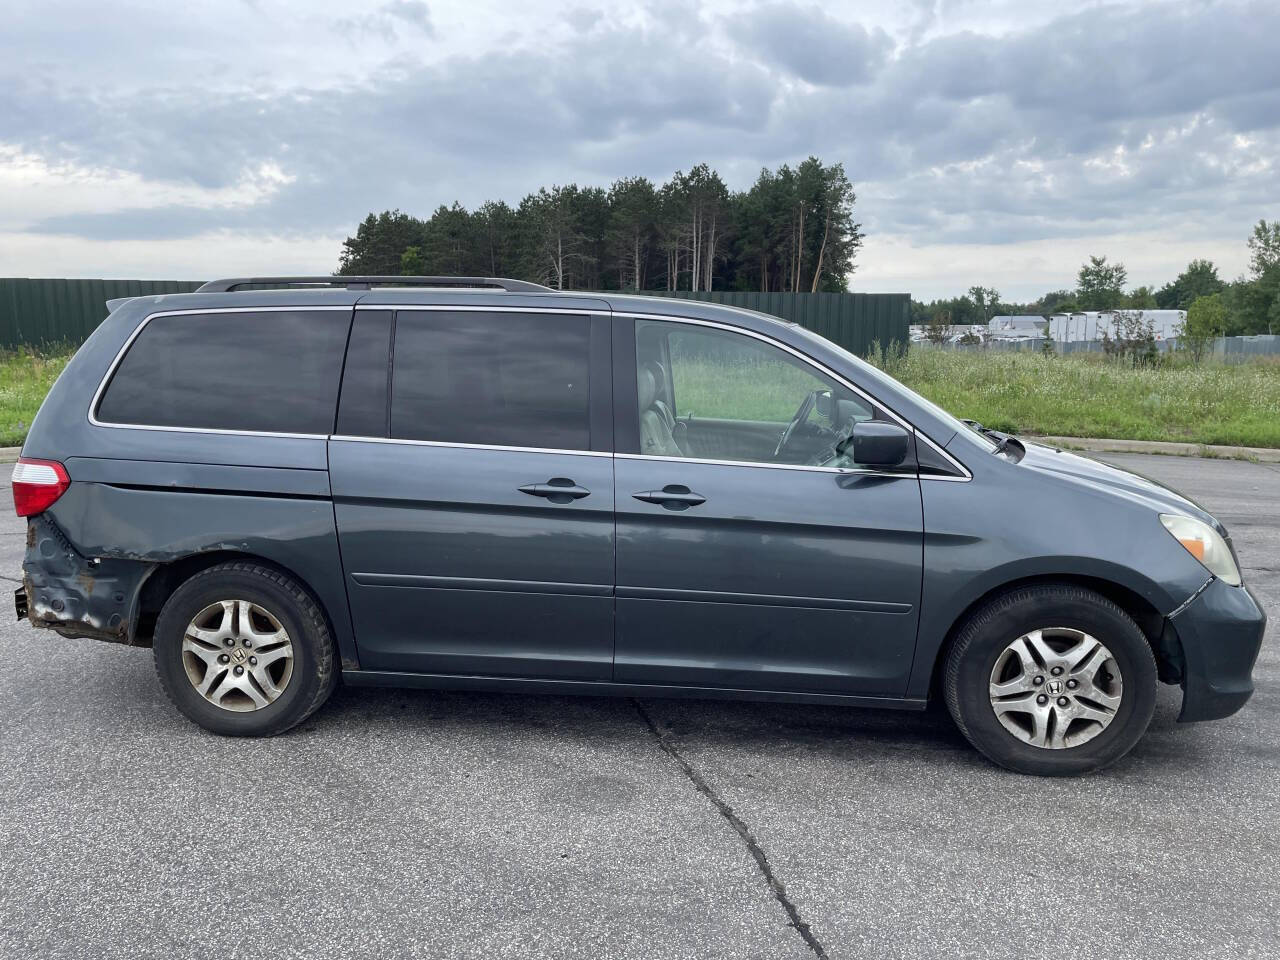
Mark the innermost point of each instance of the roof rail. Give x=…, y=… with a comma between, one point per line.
x=368, y=283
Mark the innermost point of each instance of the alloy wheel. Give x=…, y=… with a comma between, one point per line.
x=237, y=655
x=1056, y=687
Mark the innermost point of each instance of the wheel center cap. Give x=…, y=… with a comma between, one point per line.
x=1053, y=687
x=239, y=657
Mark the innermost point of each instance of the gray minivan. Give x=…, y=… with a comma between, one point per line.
x=482, y=484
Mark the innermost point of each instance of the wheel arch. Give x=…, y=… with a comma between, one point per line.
x=1149, y=620
x=167, y=577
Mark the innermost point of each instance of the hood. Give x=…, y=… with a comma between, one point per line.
x=1103, y=476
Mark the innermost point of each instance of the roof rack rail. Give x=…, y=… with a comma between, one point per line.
x=368, y=283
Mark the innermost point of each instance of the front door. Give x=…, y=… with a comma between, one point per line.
x=752, y=553
x=475, y=508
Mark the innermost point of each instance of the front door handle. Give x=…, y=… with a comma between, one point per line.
x=673, y=496
x=557, y=490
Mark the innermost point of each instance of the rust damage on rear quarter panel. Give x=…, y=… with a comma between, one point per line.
x=78, y=596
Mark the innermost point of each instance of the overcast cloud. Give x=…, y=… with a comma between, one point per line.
x=994, y=143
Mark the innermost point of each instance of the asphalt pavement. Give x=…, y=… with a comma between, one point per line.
x=416, y=823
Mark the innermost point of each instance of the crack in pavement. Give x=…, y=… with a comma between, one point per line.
x=743, y=831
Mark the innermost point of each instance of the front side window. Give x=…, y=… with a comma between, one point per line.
x=496, y=379
x=713, y=394
x=274, y=371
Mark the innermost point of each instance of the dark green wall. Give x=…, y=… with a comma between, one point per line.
x=38, y=312
x=853, y=320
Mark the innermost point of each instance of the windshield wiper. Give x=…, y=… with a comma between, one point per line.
x=1001, y=440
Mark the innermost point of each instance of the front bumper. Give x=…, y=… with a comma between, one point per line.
x=1220, y=633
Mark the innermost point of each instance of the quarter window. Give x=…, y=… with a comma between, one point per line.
x=274, y=371
x=497, y=379
x=713, y=394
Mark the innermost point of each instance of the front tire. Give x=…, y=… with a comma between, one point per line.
x=243, y=650
x=1052, y=680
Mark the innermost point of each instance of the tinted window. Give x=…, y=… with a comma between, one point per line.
x=362, y=410
x=504, y=379
x=713, y=394
x=273, y=371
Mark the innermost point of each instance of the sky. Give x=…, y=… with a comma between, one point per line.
x=994, y=143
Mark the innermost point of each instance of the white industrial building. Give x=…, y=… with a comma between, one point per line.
x=1021, y=327
x=1087, y=327
x=1091, y=325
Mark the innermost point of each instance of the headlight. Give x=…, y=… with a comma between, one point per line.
x=1203, y=542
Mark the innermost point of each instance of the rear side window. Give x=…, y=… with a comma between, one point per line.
x=499, y=379
x=274, y=371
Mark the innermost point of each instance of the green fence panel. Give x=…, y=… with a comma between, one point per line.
x=40, y=312
x=853, y=320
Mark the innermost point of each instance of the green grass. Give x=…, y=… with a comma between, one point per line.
x=25, y=378
x=1081, y=396
x=1076, y=396
x=737, y=390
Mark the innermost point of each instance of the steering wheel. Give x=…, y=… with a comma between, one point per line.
x=802, y=414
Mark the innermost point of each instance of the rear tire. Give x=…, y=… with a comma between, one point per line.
x=244, y=650
x=1051, y=680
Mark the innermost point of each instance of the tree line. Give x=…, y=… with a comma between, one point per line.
x=792, y=230
x=1215, y=307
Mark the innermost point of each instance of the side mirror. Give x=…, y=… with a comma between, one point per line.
x=879, y=444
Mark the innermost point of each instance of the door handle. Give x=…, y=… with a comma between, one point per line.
x=557, y=490
x=673, y=496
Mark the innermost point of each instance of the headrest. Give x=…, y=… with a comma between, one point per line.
x=647, y=388
x=659, y=377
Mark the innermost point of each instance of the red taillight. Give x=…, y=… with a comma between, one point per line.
x=37, y=484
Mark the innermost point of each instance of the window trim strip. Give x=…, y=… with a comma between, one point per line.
x=342, y=438
x=854, y=471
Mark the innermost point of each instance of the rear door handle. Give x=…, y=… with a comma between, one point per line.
x=673, y=496
x=557, y=490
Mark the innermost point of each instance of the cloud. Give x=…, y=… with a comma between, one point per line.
x=807, y=43
x=413, y=12
x=388, y=20
x=1114, y=121
x=583, y=19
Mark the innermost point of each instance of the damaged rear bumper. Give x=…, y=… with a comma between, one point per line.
x=75, y=595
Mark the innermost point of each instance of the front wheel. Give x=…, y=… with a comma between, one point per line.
x=243, y=650
x=1051, y=680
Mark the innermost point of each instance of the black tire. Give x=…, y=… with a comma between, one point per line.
x=990, y=629
x=313, y=673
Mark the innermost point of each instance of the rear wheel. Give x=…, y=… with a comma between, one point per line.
x=1051, y=680
x=244, y=650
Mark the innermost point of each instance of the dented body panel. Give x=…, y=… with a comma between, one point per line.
x=145, y=501
x=76, y=595
x=123, y=534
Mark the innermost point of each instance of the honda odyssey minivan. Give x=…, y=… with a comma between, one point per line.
x=482, y=484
